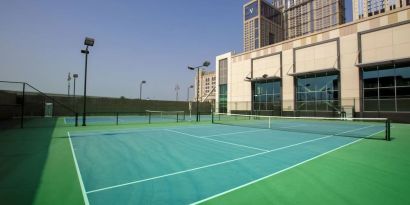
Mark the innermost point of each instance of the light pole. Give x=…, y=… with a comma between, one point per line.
x=68, y=81
x=75, y=76
x=142, y=82
x=88, y=42
x=177, y=90
x=187, y=98
x=205, y=64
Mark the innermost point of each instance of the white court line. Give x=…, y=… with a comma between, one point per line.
x=233, y=133
x=80, y=178
x=280, y=171
x=219, y=163
x=301, y=125
x=220, y=141
x=97, y=132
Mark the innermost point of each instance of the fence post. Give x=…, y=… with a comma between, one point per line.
x=22, y=106
x=76, y=119
x=117, y=118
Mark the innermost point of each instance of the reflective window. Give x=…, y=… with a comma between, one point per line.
x=318, y=92
x=223, y=98
x=387, y=88
x=223, y=71
x=266, y=95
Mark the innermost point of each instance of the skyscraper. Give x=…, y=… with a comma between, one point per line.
x=307, y=16
x=367, y=8
x=263, y=24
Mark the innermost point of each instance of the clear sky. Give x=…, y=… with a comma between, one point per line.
x=40, y=42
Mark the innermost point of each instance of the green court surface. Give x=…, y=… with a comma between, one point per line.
x=183, y=163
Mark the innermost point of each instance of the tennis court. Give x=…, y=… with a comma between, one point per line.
x=191, y=164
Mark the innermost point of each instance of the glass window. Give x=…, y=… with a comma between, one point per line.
x=370, y=78
x=267, y=93
x=403, y=76
x=223, y=99
x=403, y=105
x=223, y=71
x=403, y=92
x=371, y=93
x=386, y=77
x=386, y=88
x=318, y=92
x=386, y=93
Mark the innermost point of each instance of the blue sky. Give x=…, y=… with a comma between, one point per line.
x=40, y=42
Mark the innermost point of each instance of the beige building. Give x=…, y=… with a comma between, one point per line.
x=308, y=16
x=368, y=8
x=207, y=84
x=362, y=68
x=262, y=25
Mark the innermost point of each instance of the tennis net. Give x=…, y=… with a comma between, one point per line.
x=160, y=115
x=374, y=128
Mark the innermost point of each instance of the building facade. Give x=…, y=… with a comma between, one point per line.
x=361, y=68
x=262, y=23
x=368, y=8
x=207, y=85
x=308, y=16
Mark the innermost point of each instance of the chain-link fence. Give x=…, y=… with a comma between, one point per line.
x=23, y=105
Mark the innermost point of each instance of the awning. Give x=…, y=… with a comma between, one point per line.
x=314, y=72
x=384, y=62
x=267, y=78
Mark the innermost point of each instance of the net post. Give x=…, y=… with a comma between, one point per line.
x=269, y=122
x=117, y=117
x=149, y=117
x=387, y=130
x=177, y=116
x=212, y=117
x=22, y=106
x=76, y=119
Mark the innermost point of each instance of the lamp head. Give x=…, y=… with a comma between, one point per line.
x=75, y=75
x=191, y=86
x=191, y=68
x=206, y=63
x=89, y=41
x=143, y=82
x=264, y=75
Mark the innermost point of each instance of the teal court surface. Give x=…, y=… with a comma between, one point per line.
x=189, y=164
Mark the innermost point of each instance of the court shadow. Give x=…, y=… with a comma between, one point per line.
x=23, y=154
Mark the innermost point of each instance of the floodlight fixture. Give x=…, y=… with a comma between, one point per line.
x=89, y=41
x=187, y=98
x=204, y=64
x=75, y=75
x=264, y=75
x=142, y=82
